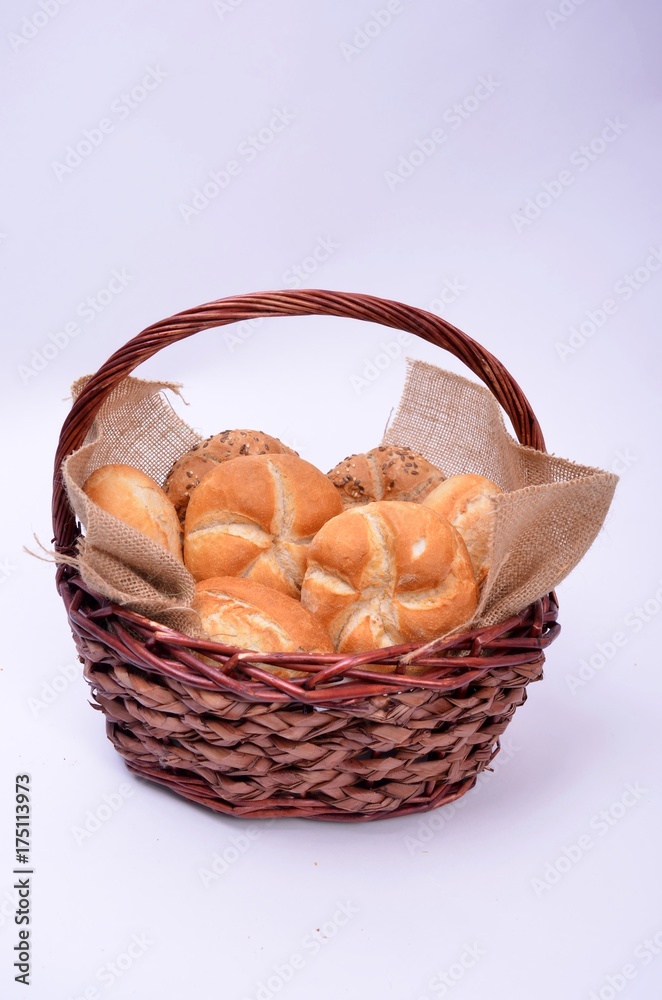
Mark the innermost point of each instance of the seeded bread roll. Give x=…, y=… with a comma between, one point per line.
x=243, y=613
x=464, y=500
x=388, y=573
x=255, y=517
x=388, y=472
x=133, y=497
x=188, y=470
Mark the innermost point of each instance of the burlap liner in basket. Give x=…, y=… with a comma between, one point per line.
x=135, y=426
x=543, y=524
x=552, y=510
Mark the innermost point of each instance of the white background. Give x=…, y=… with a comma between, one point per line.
x=483, y=894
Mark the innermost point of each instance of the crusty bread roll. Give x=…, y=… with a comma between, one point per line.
x=243, y=613
x=388, y=472
x=255, y=517
x=464, y=500
x=387, y=573
x=133, y=497
x=189, y=469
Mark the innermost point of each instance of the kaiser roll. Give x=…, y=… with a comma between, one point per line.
x=255, y=517
x=464, y=500
x=188, y=470
x=388, y=573
x=133, y=497
x=243, y=613
x=388, y=472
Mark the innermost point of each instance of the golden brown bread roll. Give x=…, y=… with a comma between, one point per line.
x=243, y=613
x=464, y=500
x=190, y=468
x=388, y=472
x=255, y=517
x=387, y=573
x=135, y=498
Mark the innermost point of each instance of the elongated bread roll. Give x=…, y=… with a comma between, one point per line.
x=135, y=498
x=387, y=573
x=255, y=517
x=388, y=472
x=243, y=613
x=464, y=500
x=188, y=470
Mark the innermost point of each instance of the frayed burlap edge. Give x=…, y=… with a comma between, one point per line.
x=137, y=426
x=553, y=508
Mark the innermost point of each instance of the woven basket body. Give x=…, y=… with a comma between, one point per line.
x=343, y=742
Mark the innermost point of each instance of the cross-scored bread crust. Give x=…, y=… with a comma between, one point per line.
x=388, y=573
x=255, y=517
x=240, y=612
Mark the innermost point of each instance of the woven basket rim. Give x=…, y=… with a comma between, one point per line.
x=338, y=676
x=455, y=662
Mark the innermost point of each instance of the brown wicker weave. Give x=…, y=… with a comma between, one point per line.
x=342, y=743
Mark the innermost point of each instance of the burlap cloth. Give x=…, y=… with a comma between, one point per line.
x=542, y=526
x=552, y=510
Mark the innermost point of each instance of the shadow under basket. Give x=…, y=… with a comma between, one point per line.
x=342, y=743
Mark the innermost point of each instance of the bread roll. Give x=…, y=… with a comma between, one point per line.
x=388, y=573
x=133, y=497
x=385, y=473
x=464, y=500
x=243, y=613
x=255, y=517
x=188, y=470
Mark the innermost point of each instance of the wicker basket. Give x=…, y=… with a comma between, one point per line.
x=342, y=743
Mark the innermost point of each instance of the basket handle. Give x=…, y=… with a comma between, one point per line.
x=301, y=302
